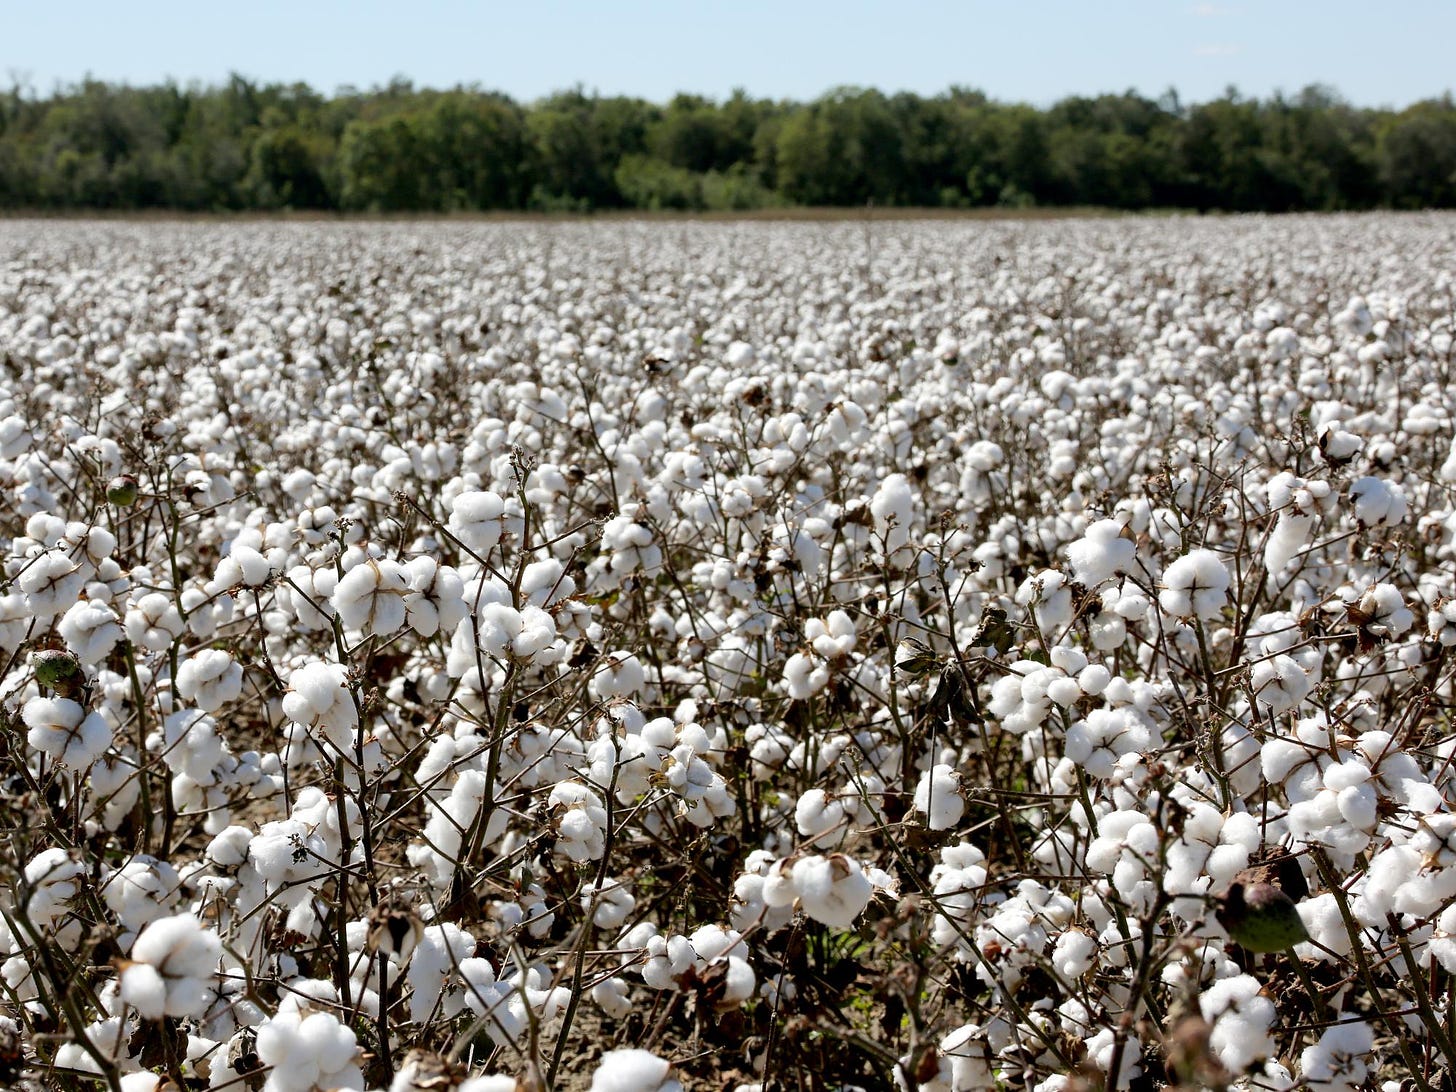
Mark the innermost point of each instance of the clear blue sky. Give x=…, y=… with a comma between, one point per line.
x=1036, y=51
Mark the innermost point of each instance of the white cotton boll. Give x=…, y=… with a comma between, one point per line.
x=1291, y=534
x=613, y=901
x=370, y=597
x=1074, y=954
x=52, y=582
x=833, y=890
x=476, y=519
x=1338, y=1062
x=51, y=875
x=90, y=630
x=154, y=622
x=892, y=507
x=1377, y=501
x=805, y=676
x=1196, y=585
x=938, y=796
x=1279, y=684
x=318, y=698
x=229, y=848
x=210, y=679
x=62, y=729
x=171, y=964
x=1101, y=553
x=1101, y=1048
x=1063, y=692
x=618, y=675
x=612, y=997
x=440, y=949
x=633, y=1070
x=1241, y=1017
x=1093, y=679
x=304, y=1052
x=436, y=599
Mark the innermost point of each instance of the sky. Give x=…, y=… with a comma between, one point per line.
x=1034, y=51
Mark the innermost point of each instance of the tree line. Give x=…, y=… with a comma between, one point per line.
x=245, y=146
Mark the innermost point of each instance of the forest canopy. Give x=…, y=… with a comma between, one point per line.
x=247, y=146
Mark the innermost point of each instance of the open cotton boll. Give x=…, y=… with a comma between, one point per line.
x=436, y=599
x=612, y=997
x=618, y=675
x=476, y=519
x=1103, y=1046
x=90, y=630
x=171, y=965
x=1196, y=586
x=1290, y=535
x=1101, y=553
x=893, y=509
x=210, y=679
x=1377, y=501
x=833, y=890
x=308, y=1051
x=153, y=622
x=52, y=582
x=1339, y=1061
x=62, y=729
x=370, y=597
x=318, y=698
x=1242, y=1017
x=938, y=795
x=633, y=1070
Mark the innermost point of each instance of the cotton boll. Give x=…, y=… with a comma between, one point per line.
x=892, y=508
x=153, y=622
x=318, y=698
x=938, y=795
x=633, y=1070
x=1101, y=553
x=1291, y=534
x=210, y=679
x=832, y=890
x=308, y=1051
x=52, y=582
x=476, y=519
x=370, y=598
x=1338, y=1062
x=436, y=600
x=62, y=729
x=90, y=630
x=1377, y=501
x=1242, y=1018
x=171, y=964
x=619, y=675
x=1196, y=585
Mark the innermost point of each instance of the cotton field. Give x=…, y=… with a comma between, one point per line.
x=644, y=656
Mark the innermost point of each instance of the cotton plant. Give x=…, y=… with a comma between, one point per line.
x=634, y=638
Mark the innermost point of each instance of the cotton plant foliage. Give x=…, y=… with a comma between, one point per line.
x=640, y=656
